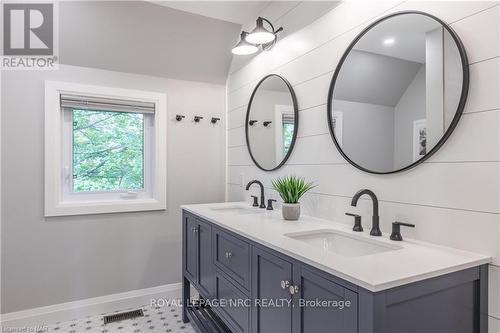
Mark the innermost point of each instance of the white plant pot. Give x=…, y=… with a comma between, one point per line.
x=291, y=212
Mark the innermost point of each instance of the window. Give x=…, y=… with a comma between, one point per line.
x=110, y=151
x=284, y=118
x=288, y=122
x=107, y=151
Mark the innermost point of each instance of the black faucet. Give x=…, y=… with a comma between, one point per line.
x=375, y=219
x=262, y=199
x=396, y=230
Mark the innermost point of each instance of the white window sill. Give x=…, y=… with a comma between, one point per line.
x=104, y=207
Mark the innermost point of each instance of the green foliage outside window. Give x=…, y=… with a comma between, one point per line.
x=108, y=151
x=287, y=136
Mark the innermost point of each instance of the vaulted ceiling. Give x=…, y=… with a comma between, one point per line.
x=373, y=78
x=144, y=38
x=240, y=12
x=187, y=40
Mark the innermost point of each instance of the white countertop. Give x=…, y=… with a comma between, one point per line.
x=412, y=261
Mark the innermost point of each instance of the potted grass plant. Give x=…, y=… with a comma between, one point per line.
x=290, y=189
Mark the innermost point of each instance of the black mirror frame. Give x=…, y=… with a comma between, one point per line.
x=461, y=104
x=296, y=127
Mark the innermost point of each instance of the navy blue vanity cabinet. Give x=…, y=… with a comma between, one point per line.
x=197, y=247
x=190, y=247
x=205, y=263
x=234, y=303
x=451, y=303
x=315, y=302
x=271, y=280
x=232, y=257
x=320, y=303
x=227, y=267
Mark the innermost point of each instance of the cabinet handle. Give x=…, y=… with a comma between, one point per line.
x=228, y=255
x=285, y=284
x=294, y=289
x=195, y=229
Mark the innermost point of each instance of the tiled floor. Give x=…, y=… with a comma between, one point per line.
x=155, y=320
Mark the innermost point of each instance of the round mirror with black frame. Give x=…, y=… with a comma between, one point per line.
x=398, y=92
x=271, y=122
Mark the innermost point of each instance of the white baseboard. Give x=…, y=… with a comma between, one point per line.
x=88, y=307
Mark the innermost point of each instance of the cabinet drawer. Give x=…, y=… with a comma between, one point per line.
x=232, y=256
x=234, y=304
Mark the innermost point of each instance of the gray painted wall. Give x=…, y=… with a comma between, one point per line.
x=411, y=107
x=144, y=38
x=434, y=86
x=452, y=78
x=368, y=133
x=53, y=260
x=393, y=92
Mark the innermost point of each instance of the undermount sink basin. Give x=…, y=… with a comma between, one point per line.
x=343, y=244
x=238, y=210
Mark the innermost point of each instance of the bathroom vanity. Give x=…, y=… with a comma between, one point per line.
x=255, y=272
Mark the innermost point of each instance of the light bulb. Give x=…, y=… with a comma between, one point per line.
x=260, y=35
x=243, y=47
x=389, y=41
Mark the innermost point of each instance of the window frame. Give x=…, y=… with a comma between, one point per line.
x=58, y=201
x=280, y=110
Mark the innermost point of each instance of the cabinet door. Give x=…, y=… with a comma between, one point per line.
x=314, y=304
x=205, y=264
x=234, y=306
x=268, y=272
x=191, y=248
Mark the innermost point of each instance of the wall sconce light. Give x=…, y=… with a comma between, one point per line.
x=243, y=47
x=252, y=122
x=259, y=36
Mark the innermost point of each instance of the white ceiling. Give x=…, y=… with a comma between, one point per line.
x=239, y=12
x=375, y=79
x=408, y=31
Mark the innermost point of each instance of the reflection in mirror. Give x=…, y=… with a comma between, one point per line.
x=271, y=122
x=398, y=92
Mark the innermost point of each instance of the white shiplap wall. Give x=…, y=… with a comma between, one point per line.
x=453, y=198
